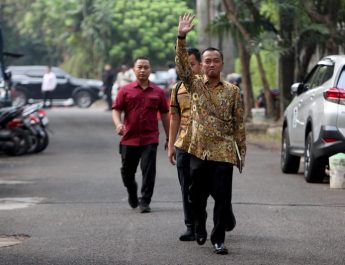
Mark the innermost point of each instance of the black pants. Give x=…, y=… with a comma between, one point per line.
x=131, y=155
x=215, y=179
x=183, y=172
x=48, y=96
x=109, y=99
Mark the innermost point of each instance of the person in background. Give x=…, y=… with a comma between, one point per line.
x=48, y=86
x=108, y=78
x=140, y=101
x=180, y=112
x=217, y=132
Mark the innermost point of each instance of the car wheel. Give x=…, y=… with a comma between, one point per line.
x=20, y=98
x=314, y=168
x=83, y=99
x=289, y=163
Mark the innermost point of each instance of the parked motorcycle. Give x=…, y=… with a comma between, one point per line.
x=28, y=123
x=13, y=141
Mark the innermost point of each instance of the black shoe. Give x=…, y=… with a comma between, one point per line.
x=200, y=234
x=219, y=248
x=133, y=200
x=144, y=208
x=188, y=235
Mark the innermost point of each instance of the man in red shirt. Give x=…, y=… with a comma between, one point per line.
x=140, y=101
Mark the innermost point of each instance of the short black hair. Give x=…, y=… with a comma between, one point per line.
x=212, y=49
x=141, y=58
x=195, y=52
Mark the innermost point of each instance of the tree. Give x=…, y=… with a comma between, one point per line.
x=83, y=35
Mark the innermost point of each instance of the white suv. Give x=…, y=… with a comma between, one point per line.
x=314, y=122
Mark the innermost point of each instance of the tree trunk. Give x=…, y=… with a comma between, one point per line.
x=248, y=96
x=287, y=60
x=266, y=86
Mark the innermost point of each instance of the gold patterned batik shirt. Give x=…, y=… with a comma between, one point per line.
x=216, y=121
x=180, y=104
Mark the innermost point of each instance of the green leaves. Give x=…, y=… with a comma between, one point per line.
x=84, y=35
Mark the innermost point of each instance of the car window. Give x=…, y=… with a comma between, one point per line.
x=341, y=81
x=323, y=74
x=308, y=81
x=318, y=76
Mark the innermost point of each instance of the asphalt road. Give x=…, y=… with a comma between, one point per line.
x=77, y=210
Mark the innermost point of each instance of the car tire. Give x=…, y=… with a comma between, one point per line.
x=314, y=168
x=289, y=163
x=20, y=98
x=83, y=99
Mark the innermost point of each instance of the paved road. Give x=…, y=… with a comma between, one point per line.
x=78, y=213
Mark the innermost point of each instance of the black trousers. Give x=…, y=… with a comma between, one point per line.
x=215, y=179
x=109, y=99
x=48, y=96
x=131, y=155
x=183, y=172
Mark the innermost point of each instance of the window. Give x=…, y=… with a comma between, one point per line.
x=341, y=81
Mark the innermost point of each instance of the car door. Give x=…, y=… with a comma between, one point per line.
x=62, y=90
x=310, y=102
x=33, y=83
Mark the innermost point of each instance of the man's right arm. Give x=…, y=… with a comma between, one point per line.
x=183, y=68
x=119, y=127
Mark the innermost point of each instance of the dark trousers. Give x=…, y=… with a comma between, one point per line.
x=131, y=155
x=109, y=99
x=183, y=172
x=215, y=179
x=48, y=96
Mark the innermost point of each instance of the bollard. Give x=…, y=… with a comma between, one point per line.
x=337, y=171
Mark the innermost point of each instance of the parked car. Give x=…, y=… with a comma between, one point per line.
x=27, y=81
x=314, y=122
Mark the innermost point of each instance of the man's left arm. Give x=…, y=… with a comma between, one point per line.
x=239, y=125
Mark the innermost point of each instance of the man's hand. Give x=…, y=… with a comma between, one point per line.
x=185, y=24
x=172, y=155
x=120, y=129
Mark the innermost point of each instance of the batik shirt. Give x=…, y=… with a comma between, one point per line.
x=216, y=122
x=180, y=105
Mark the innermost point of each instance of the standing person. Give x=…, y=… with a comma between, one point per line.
x=180, y=112
x=48, y=86
x=216, y=128
x=140, y=101
x=108, y=78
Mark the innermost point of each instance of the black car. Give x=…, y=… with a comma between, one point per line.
x=27, y=81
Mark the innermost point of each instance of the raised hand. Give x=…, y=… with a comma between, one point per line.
x=185, y=24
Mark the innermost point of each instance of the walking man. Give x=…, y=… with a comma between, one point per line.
x=140, y=101
x=216, y=130
x=108, y=78
x=177, y=149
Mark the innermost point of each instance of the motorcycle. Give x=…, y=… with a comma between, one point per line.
x=13, y=141
x=33, y=121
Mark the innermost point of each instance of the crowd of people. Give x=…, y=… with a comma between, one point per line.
x=205, y=135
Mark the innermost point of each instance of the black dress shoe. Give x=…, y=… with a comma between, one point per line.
x=144, y=208
x=201, y=238
x=219, y=248
x=133, y=200
x=188, y=235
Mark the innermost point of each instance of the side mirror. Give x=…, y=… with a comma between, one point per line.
x=297, y=88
